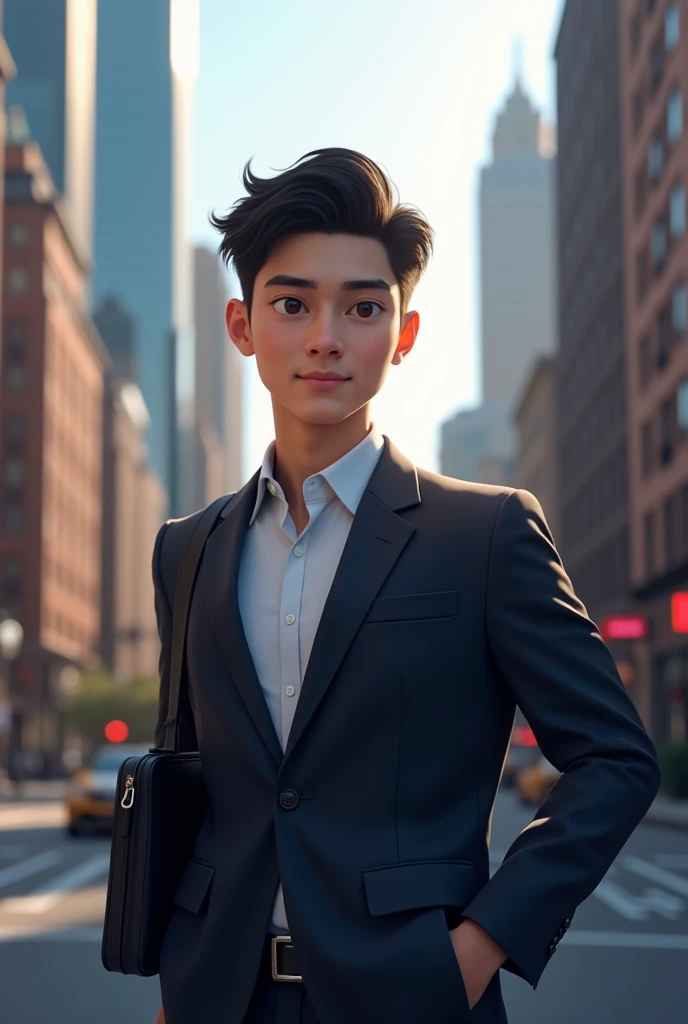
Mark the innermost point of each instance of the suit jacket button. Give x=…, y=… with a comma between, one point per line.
x=567, y=922
x=288, y=799
x=552, y=949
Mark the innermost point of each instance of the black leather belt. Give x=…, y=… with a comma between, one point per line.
x=284, y=963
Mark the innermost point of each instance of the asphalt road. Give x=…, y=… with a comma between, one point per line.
x=624, y=958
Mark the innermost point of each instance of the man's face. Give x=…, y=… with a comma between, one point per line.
x=327, y=305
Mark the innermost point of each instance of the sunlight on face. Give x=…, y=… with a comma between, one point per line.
x=324, y=304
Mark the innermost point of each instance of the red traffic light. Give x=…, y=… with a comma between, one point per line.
x=116, y=731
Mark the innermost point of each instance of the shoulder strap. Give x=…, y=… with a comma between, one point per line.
x=186, y=580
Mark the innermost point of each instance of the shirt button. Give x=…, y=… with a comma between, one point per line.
x=290, y=691
x=290, y=620
x=298, y=552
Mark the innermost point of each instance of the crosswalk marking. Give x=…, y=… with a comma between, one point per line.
x=54, y=891
x=9, y=852
x=654, y=874
x=26, y=868
x=624, y=940
x=672, y=860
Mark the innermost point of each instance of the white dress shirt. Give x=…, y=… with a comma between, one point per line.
x=284, y=579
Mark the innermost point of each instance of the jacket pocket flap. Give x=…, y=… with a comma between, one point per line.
x=437, y=605
x=439, y=883
x=194, y=886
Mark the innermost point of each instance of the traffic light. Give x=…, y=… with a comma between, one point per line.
x=116, y=731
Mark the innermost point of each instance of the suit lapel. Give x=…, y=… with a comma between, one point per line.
x=376, y=540
x=221, y=578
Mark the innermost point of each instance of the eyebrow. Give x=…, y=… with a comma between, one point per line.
x=363, y=284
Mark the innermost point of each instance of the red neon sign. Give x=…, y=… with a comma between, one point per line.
x=679, y=612
x=624, y=627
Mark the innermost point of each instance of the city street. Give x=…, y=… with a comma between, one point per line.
x=622, y=958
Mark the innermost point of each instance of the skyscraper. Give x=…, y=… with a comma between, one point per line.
x=218, y=385
x=142, y=258
x=591, y=366
x=517, y=291
x=517, y=251
x=54, y=46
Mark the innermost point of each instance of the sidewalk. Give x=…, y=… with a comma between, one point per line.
x=667, y=811
x=32, y=791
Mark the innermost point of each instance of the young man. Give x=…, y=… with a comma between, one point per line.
x=360, y=634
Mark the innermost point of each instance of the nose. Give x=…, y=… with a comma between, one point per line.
x=323, y=337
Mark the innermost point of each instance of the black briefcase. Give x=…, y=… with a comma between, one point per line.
x=159, y=807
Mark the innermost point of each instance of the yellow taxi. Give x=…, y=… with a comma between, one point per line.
x=534, y=782
x=90, y=800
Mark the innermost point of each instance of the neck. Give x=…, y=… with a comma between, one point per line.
x=302, y=449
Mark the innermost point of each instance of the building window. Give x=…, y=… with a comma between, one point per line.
x=12, y=586
x=14, y=473
x=17, y=235
x=672, y=27
x=658, y=245
x=669, y=532
x=684, y=519
x=14, y=431
x=679, y=308
x=646, y=449
x=638, y=110
x=635, y=33
x=666, y=432
x=655, y=158
x=677, y=211
x=656, y=65
x=14, y=518
x=682, y=406
x=14, y=363
x=640, y=189
x=642, y=274
x=649, y=539
x=674, y=126
x=17, y=281
x=645, y=360
x=664, y=338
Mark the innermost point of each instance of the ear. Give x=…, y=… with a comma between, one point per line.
x=407, y=337
x=239, y=327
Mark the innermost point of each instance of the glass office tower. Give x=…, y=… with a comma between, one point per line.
x=146, y=67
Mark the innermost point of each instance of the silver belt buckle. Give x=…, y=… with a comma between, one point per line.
x=275, y=975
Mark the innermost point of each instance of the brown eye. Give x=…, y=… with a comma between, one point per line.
x=290, y=306
x=366, y=310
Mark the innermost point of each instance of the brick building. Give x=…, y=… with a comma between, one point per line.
x=654, y=65
x=591, y=400
x=51, y=450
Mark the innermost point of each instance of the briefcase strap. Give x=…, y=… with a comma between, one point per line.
x=186, y=580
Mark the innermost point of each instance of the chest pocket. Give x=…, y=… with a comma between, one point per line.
x=438, y=605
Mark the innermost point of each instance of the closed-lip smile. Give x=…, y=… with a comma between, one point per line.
x=322, y=375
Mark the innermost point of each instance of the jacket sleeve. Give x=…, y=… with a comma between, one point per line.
x=163, y=614
x=562, y=675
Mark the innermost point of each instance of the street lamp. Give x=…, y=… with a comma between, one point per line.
x=11, y=639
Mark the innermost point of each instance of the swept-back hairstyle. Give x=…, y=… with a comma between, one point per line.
x=335, y=191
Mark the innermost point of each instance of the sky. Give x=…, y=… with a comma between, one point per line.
x=414, y=86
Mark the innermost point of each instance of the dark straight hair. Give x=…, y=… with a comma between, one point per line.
x=335, y=191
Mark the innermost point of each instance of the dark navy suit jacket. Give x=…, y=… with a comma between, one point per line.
x=449, y=607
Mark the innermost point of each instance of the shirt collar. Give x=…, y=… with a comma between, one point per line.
x=348, y=477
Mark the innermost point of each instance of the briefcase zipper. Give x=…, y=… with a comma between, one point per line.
x=128, y=792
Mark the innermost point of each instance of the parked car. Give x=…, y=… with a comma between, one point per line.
x=90, y=801
x=534, y=782
x=522, y=753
